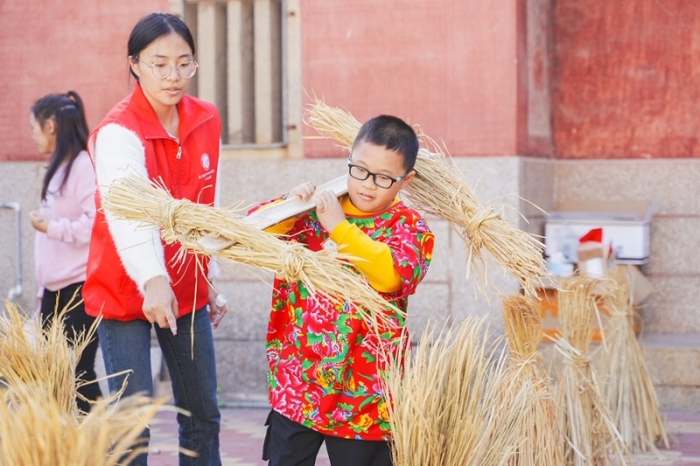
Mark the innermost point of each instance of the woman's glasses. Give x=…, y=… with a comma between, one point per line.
x=163, y=70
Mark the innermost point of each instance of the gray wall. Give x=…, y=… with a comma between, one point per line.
x=508, y=184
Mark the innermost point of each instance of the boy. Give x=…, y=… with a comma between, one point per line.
x=324, y=367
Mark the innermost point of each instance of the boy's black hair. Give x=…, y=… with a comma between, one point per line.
x=68, y=113
x=394, y=134
x=154, y=26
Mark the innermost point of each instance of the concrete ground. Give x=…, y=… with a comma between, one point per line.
x=243, y=432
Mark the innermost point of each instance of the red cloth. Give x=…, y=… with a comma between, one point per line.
x=596, y=235
x=188, y=171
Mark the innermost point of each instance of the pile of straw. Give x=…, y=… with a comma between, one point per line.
x=585, y=420
x=543, y=442
x=187, y=222
x=439, y=189
x=31, y=355
x=453, y=403
x=36, y=431
x=39, y=422
x=628, y=388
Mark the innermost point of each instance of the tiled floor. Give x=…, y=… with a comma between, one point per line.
x=242, y=434
x=243, y=431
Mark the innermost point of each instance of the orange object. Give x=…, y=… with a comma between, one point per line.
x=549, y=310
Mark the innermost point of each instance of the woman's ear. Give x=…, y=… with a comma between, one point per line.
x=133, y=64
x=50, y=126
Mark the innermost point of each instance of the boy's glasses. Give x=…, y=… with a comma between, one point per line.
x=163, y=70
x=382, y=181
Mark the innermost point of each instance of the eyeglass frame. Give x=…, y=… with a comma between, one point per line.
x=172, y=68
x=374, y=175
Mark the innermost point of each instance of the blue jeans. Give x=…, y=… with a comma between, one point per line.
x=127, y=345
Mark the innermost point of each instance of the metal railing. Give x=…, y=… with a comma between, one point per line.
x=16, y=290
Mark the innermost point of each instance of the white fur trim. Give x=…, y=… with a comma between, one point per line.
x=118, y=154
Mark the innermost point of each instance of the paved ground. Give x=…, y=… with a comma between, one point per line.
x=243, y=432
x=242, y=435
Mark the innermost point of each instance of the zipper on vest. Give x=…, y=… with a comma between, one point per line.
x=179, y=152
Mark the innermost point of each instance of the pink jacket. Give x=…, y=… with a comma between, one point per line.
x=60, y=254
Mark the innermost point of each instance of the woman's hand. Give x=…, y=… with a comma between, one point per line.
x=218, y=307
x=39, y=221
x=160, y=304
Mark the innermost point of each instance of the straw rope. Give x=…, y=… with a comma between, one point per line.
x=628, y=389
x=439, y=189
x=187, y=222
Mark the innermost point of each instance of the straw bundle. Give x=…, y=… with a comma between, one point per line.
x=36, y=431
x=28, y=355
x=187, y=222
x=453, y=403
x=629, y=391
x=543, y=442
x=439, y=189
x=39, y=422
x=585, y=420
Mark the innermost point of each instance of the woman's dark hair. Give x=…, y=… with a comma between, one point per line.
x=68, y=114
x=151, y=27
x=394, y=134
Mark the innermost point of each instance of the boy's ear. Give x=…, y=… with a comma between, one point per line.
x=410, y=176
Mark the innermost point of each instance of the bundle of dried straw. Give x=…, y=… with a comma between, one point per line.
x=585, y=419
x=39, y=423
x=187, y=222
x=31, y=355
x=439, y=189
x=628, y=388
x=543, y=442
x=453, y=403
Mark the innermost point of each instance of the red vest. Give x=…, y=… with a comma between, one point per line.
x=190, y=175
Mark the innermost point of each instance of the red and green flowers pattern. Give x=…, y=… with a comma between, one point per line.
x=323, y=361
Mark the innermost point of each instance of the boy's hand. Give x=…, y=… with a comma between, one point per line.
x=330, y=212
x=303, y=191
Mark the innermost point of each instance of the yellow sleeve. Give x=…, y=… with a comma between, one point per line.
x=282, y=227
x=374, y=258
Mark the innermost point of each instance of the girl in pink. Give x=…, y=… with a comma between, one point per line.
x=64, y=222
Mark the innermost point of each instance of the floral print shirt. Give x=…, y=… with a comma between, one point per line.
x=324, y=366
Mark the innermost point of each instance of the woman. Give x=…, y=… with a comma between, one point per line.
x=63, y=224
x=134, y=280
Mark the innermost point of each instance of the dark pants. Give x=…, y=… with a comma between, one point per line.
x=75, y=321
x=288, y=443
x=190, y=358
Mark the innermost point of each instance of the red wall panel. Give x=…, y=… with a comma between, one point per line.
x=55, y=46
x=625, y=78
x=449, y=66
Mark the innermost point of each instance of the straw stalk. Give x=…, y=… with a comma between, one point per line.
x=187, y=222
x=628, y=388
x=39, y=421
x=592, y=438
x=543, y=442
x=439, y=189
x=453, y=403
